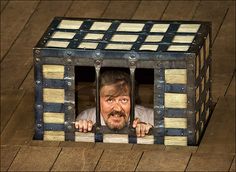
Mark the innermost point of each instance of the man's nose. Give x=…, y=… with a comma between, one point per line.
x=117, y=107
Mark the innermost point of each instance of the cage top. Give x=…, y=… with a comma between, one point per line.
x=124, y=35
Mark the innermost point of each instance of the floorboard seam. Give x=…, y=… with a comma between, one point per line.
x=164, y=10
x=65, y=14
x=188, y=162
x=4, y=7
x=14, y=158
x=55, y=159
x=104, y=11
x=194, y=13
x=98, y=160
x=231, y=80
x=135, y=10
x=139, y=161
x=9, y=49
x=231, y=164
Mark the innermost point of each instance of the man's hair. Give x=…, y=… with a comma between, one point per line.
x=120, y=80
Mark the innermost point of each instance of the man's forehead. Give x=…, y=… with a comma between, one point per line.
x=110, y=90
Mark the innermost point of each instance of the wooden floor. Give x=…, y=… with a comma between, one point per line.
x=23, y=23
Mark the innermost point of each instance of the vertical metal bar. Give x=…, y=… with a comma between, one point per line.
x=132, y=78
x=97, y=69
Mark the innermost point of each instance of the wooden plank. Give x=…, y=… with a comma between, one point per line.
x=54, y=136
x=220, y=133
x=113, y=146
x=53, y=71
x=163, y=161
x=77, y=159
x=232, y=168
x=213, y=11
x=42, y=143
x=118, y=160
x=56, y=118
x=115, y=7
x=35, y=158
x=176, y=76
x=9, y=102
x=180, y=10
x=8, y=153
x=4, y=4
x=175, y=122
x=53, y=95
x=150, y=10
x=209, y=162
x=174, y=100
x=77, y=144
x=181, y=149
x=175, y=140
x=21, y=125
x=83, y=9
x=20, y=55
x=145, y=147
x=13, y=20
x=231, y=89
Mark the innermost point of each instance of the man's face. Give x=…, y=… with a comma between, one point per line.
x=114, y=109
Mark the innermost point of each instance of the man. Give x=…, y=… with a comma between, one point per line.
x=115, y=105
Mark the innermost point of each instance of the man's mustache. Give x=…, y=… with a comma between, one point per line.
x=120, y=113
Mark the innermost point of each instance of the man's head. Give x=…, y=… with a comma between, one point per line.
x=115, y=98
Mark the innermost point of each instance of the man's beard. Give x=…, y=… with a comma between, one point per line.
x=121, y=124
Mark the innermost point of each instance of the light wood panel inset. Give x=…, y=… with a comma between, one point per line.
x=62, y=44
x=207, y=114
x=197, y=117
x=118, y=46
x=53, y=95
x=130, y=27
x=63, y=35
x=203, y=84
x=124, y=38
x=207, y=74
x=149, y=47
x=175, y=140
x=183, y=39
x=197, y=66
x=154, y=38
x=88, y=45
x=178, y=48
x=54, y=136
x=100, y=26
x=197, y=136
x=188, y=28
x=148, y=139
x=207, y=45
x=84, y=137
x=197, y=93
x=176, y=76
x=160, y=28
x=202, y=57
x=51, y=117
x=115, y=138
x=175, y=100
x=94, y=36
x=53, y=71
x=175, y=122
x=69, y=24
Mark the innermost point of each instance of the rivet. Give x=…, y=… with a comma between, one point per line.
x=69, y=107
x=69, y=127
x=38, y=82
x=98, y=54
x=69, y=53
x=39, y=125
x=39, y=106
x=69, y=60
x=37, y=51
x=97, y=62
x=69, y=83
x=37, y=59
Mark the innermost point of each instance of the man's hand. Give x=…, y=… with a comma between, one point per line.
x=84, y=125
x=142, y=128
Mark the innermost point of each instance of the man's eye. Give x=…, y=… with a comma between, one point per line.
x=109, y=100
x=124, y=100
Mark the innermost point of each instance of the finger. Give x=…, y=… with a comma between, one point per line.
x=90, y=125
x=138, y=127
x=85, y=127
x=142, y=130
x=80, y=125
x=148, y=126
x=76, y=124
x=135, y=122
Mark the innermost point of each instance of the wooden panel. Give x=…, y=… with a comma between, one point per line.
x=54, y=136
x=202, y=85
x=20, y=55
x=10, y=99
x=231, y=89
x=220, y=134
x=175, y=140
x=61, y=44
x=197, y=67
x=53, y=71
x=232, y=168
x=13, y=20
x=118, y=160
x=180, y=10
x=209, y=162
x=150, y=10
x=148, y=139
x=8, y=154
x=197, y=117
x=113, y=146
x=30, y=159
x=77, y=159
x=118, y=46
x=77, y=144
x=84, y=137
x=3, y=5
x=207, y=46
x=20, y=131
x=147, y=147
x=197, y=93
x=115, y=7
x=163, y=161
x=124, y=38
x=53, y=95
x=176, y=76
x=202, y=58
x=88, y=45
x=181, y=149
x=173, y=100
x=175, y=122
x=115, y=138
x=43, y=143
x=56, y=118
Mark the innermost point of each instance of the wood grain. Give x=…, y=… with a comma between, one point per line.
x=53, y=71
x=8, y=154
x=13, y=21
x=30, y=159
x=77, y=159
x=175, y=140
x=163, y=161
x=53, y=95
x=113, y=146
x=54, y=136
x=176, y=76
x=209, y=162
x=118, y=160
x=174, y=100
